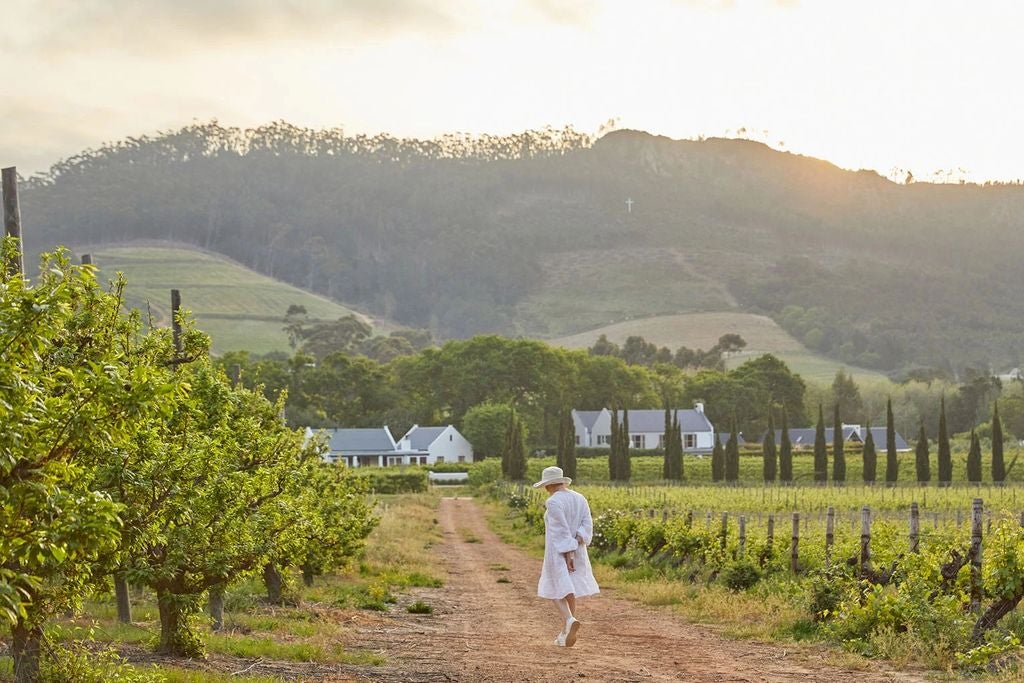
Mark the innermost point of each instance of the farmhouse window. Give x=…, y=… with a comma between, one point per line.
x=638, y=440
x=603, y=439
x=689, y=440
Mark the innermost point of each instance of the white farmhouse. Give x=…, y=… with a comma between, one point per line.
x=429, y=445
x=646, y=429
x=359, y=447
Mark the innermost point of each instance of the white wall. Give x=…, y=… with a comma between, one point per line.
x=451, y=446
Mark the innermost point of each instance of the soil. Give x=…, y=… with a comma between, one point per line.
x=486, y=630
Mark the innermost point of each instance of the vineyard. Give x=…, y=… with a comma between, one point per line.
x=876, y=570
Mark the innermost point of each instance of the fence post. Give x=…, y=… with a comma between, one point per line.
x=771, y=534
x=865, y=539
x=175, y=325
x=794, y=546
x=977, y=508
x=830, y=534
x=86, y=259
x=915, y=528
x=12, y=217
x=743, y=535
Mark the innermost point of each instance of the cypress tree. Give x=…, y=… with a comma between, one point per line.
x=732, y=455
x=624, y=454
x=838, y=455
x=974, y=460
x=516, y=455
x=569, y=456
x=506, y=449
x=998, y=464
x=870, y=457
x=677, y=438
x=785, y=451
x=668, y=444
x=892, y=465
x=768, y=450
x=560, y=450
x=717, y=460
x=613, y=451
x=945, y=457
x=820, y=449
x=923, y=460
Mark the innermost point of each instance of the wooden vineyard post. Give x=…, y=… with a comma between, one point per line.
x=12, y=218
x=915, y=528
x=86, y=259
x=977, y=508
x=124, y=603
x=865, y=539
x=771, y=534
x=175, y=324
x=830, y=535
x=743, y=535
x=794, y=546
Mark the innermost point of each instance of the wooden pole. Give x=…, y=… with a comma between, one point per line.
x=794, y=547
x=86, y=259
x=12, y=217
x=977, y=507
x=830, y=534
x=175, y=324
x=743, y=535
x=865, y=539
x=771, y=534
x=915, y=528
x=124, y=603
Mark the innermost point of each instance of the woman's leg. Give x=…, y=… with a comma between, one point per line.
x=565, y=606
x=571, y=599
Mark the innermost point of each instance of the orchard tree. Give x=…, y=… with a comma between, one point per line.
x=73, y=387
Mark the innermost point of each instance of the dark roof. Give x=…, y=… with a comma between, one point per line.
x=723, y=438
x=805, y=437
x=654, y=421
x=374, y=440
x=588, y=417
x=420, y=438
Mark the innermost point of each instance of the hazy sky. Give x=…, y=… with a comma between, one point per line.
x=914, y=84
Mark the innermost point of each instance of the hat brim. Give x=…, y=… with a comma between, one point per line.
x=549, y=482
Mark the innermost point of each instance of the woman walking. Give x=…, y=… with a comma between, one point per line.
x=566, y=574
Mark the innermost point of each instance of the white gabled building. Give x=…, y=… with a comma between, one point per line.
x=429, y=445
x=646, y=429
x=372, y=447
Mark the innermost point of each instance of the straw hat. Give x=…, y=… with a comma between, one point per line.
x=552, y=475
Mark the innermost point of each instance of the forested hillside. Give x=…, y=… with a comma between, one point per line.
x=530, y=234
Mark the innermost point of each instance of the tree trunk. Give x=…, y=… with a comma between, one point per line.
x=307, y=575
x=176, y=638
x=217, y=607
x=124, y=603
x=26, y=642
x=273, y=581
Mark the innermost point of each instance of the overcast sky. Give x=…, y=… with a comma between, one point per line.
x=913, y=84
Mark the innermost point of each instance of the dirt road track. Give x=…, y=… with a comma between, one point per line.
x=483, y=630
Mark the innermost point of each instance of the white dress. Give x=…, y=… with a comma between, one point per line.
x=567, y=516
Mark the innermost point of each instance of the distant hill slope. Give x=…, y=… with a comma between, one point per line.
x=702, y=330
x=239, y=309
x=532, y=234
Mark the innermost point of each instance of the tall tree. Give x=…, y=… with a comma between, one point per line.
x=945, y=457
x=974, y=459
x=560, y=444
x=732, y=455
x=870, y=457
x=892, y=465
x=820, y=449
x=568, y=448
x=838, y=454
x=998, y=464
x=667, y=443
x=922, y=461
x=785, y=451
x=677, y=436
x=846, y=395
x=615, y=444
x=717, y=460
x=768, y=453
x=625, y=466
x=516, y=450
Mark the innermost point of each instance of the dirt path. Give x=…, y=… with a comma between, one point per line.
x=483, y=630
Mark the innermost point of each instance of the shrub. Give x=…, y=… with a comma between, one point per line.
x=420, y=607
x=741, y=574
x=405, y=480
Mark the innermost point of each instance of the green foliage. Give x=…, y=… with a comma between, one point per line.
x=998, y=462
x=513, y=458
x=785, y=451
x=484, y=426
x=974, y=459
x=732, y=455
x=75, y=662
x=869, y=457
x=741, y=574
x=838, y=454
x=419, y=607
x=718, y=461
x=922, y=461
x=768, y=451
x=389, y=480
x=820, y=449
